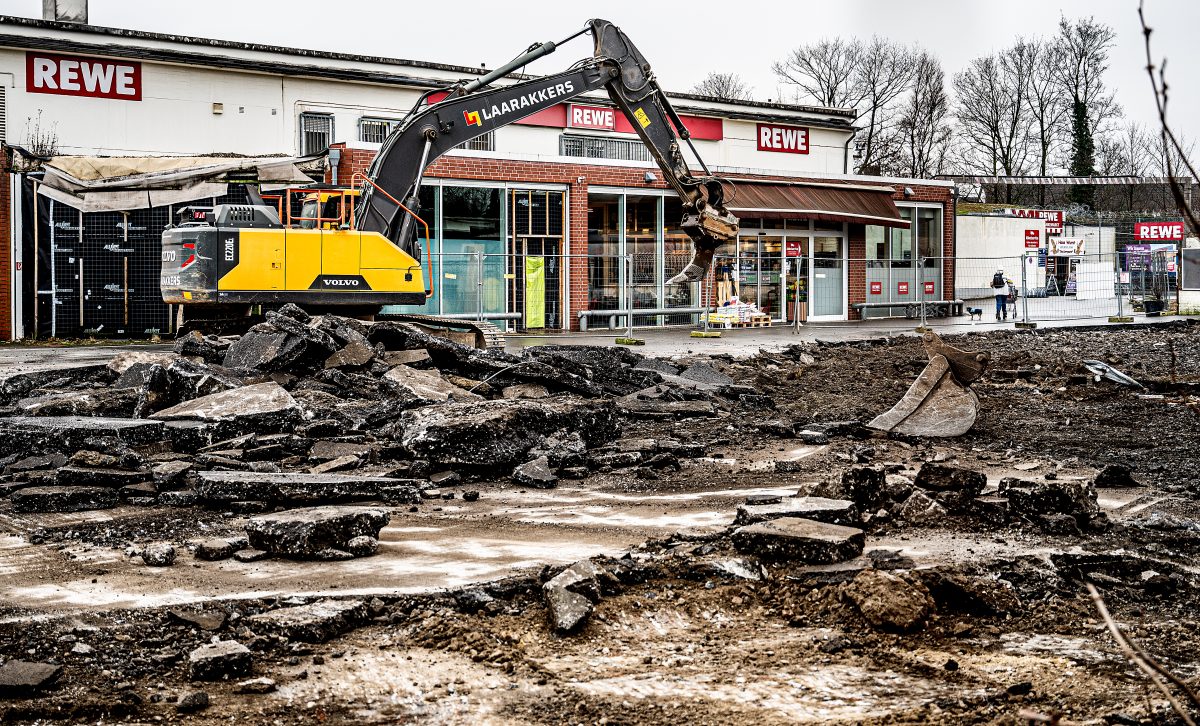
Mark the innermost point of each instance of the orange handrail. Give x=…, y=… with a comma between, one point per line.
x=428, y=246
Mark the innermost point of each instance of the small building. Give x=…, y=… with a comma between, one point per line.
x=569, y=193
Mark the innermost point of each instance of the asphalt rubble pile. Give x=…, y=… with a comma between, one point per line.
x=317, y=427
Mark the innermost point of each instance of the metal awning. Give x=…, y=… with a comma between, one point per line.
x=826, y=202
x=104, y=184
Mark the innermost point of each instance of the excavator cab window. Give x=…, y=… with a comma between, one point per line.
x=308, y=212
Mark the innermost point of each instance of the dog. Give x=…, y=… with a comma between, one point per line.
x=975, y=313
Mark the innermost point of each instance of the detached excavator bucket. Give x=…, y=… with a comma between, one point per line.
x=938, y=403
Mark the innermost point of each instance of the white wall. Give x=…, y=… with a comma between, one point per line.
x=986, y=244
x=260, y=114
x=1107, y=237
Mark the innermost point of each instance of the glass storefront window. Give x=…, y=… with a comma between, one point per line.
x=929, y=235
x=641, y=241
x=604, y=251
x=877, y=238
x=677, y=252
x=902, y=242
x=471, y=223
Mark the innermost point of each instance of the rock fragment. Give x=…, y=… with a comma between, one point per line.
x=832, y=511
x=888, y=601
x=158, y=554
x=22, y=678
x=256, y=686
x=571, y=595
x=305, y=532
x=536, y=474
x=192, y=702
x=220, y=548
x=1115, y=476
x=940, y=477
x=802, y=540
x=497, y=434
x=215, y=661
x=261, y=407
x=313, y=623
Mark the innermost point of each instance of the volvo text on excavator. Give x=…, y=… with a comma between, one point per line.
x=222, y=262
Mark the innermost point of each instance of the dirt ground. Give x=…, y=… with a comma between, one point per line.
x=688, y=629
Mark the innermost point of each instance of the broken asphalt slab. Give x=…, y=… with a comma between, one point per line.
x=28, y=435
x=299, y=488
x=305, y=533
x=313, y=623
x=800, y=540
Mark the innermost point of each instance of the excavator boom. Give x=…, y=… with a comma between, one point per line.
x=473, y=109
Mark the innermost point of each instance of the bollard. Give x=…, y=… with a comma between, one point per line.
x=1025, y=295
x=479, y=286
x=629, y=339
x=920, y=282
x=1120, y=317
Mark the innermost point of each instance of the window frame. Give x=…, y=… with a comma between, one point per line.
x=304, y=115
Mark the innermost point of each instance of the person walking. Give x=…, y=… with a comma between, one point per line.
x=1000, y=290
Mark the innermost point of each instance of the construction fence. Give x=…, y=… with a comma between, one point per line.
x=1080, y=287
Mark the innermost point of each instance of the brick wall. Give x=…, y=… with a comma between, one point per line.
x=460, y=167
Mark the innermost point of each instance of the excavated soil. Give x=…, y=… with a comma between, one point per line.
x=679, y=635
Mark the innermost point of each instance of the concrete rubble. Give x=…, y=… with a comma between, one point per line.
x=305, y=410
x=323, y=502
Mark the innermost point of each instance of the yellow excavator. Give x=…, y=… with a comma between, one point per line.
x=220, y=263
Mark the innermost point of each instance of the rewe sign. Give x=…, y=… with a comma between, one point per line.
x=592, y=117
x=1158, y=231
x=1053, y=217
x=787, y=139
x=69, y=75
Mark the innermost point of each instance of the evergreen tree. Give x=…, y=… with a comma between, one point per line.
x=1083, y=154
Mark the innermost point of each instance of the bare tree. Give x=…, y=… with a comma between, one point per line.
x=868, y=77
x=883, y=75
x=993, y=116
x=823, y=72
x=725, y=86
x=1173, y=144
x=1038, y=62
x=924, y=128
x=1082, y=49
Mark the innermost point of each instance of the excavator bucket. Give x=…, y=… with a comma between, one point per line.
x=938, y=403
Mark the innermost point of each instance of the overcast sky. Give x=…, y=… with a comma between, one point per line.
x=683, y=40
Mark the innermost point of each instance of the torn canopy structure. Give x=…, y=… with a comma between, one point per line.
x=113, y=183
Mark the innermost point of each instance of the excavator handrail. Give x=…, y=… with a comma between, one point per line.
x=428, y=245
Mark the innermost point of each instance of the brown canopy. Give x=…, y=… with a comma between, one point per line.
x=826, y=202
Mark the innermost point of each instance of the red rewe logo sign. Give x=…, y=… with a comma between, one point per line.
x=786, y=139
x=1158, y=231
x=902, y=288
x=69, y=75
x=1053, y=217
x=592, y=117
x=876, y=288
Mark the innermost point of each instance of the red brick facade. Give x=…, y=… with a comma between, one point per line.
x=578, y=177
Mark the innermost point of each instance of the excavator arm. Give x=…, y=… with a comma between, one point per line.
x=473, y=109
